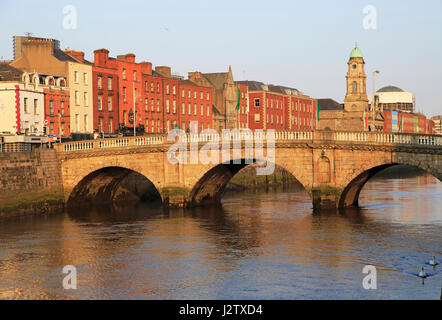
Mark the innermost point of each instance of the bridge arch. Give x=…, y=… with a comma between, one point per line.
x=112, y=184
x=351, y=192
x=210, y=187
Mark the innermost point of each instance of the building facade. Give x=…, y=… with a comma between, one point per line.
x=44, y=57
x=105, y=85
x=279, y=108
x=392, y=98
x=437, y=120
x=225, y=96
x=21, y=102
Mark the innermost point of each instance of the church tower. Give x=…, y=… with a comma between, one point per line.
x=356, y=98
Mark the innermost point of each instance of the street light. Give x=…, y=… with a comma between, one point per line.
x=134, y=107
x=374, y=98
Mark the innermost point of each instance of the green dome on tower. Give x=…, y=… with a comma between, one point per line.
x=356, y=53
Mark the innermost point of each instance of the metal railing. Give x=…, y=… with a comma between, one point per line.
x=377, y=138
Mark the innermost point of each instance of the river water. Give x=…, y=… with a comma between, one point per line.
x=266, y=245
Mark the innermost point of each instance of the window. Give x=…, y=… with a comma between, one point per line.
x=85, y=78
x=208, y=96
x=167, y=106
x=36, y=106
x=158, y=105
x=257, y=102
x=62, y=131
x=354, y=87
x=124, y=74
x=168, y=125
x=257, y=117
x=77, y=123
x=152, y=107
x=189, y=109
x=109, y=104
x=135, y=75
x=158, y=125
x=189, y=94
x=86, y=122
x=182, y=93
x=174, y=90
x=158, y=87
x=99, y=82
x=100, y=124
x=85, y=99
x=146, y=104
x=183, y=108
x=208, y=110
x=51, y=128
x=194, y=109
x=110, y=129
x=146, y=86
x=100, y=103
x=194, y=94
x=25, y=105
x=201, y=95
x=124, y=94
x=202, y=110
x=109, y=83
x=76, y=76
x=174, y=106
x=51, y=108
x=124, y=117
x=167, y=89
x=151, y=87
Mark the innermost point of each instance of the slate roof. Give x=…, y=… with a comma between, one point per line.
x=62, y=56
x=9, y=73
x=329, y=104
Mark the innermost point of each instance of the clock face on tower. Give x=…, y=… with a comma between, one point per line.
x=354, y=66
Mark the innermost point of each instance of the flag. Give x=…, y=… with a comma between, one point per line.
x=239, y=100
x=318, y=108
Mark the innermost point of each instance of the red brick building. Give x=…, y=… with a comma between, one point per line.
x=56, y=105
x=105, y=84
x=279, y=108
x=242, y=116
x=195, y=105
x=159, y=96
x=405, y=122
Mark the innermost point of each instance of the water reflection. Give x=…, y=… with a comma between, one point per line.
x=267, y=245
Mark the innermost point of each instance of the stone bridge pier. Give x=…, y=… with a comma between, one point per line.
x=333, y=167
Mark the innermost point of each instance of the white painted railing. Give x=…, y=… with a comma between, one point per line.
x=378, y=138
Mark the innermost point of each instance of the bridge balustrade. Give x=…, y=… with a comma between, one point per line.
x=312, y=136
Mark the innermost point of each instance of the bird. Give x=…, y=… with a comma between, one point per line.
x=433, y=262
x=422, y=274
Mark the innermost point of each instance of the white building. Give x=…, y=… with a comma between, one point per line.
x=21, y=105
x=395, y=99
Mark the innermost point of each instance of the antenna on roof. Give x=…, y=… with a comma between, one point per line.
x=28, y=34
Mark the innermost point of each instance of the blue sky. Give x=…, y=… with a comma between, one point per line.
x=304, y=44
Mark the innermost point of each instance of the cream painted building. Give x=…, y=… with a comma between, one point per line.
x=80, y=84
x=392, y=98
x=42, y=56
x=21, y=104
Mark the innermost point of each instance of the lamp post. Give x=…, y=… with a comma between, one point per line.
x=59, y=125
x=134, y=108
x=374, y=99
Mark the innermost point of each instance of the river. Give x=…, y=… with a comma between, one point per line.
x=256, y=245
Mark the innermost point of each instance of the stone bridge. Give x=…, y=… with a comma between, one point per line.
x=332, y=166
